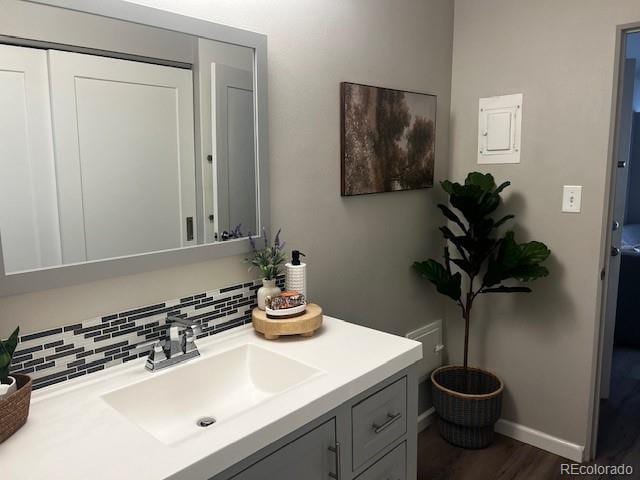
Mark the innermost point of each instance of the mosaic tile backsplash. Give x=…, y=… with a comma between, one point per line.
x=67, y=352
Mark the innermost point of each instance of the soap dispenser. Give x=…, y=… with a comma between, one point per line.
x=296, y=274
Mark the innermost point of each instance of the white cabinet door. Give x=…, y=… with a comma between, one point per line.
x=28, y=207
x=124, y=144
x=232, y=102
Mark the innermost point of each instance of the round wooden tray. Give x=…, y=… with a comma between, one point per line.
x=272, y=328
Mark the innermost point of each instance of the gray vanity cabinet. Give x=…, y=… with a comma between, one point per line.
x=311, y=457
x=372, y=436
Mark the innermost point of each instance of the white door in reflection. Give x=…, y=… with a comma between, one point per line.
x=232, y=102
x=28, y=206
x=125, y=160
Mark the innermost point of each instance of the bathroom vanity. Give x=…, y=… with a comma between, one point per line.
x=316, y=408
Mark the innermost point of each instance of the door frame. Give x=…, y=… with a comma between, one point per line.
x=606, y=235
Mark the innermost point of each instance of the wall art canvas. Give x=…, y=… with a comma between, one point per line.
x=388, y=139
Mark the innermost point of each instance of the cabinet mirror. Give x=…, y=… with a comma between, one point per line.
x=120, y=138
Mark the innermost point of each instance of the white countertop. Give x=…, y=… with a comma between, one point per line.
x=72, y=433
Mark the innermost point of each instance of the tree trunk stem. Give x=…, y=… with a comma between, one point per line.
x=466, y=340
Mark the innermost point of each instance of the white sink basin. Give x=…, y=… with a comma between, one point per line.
x=169, y=404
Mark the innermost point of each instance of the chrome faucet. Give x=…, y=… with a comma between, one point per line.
x=178, y=348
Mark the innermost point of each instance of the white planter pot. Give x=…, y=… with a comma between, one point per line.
x=7, y=389
x=268, y=289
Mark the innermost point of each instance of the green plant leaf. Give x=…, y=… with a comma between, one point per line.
x=447, y=212
x=502, y=186
x=464, y=265
x=447, y=186
x=12, y=342
x=483, y=180
x=527, y=273
x=517, y=261
x=446, y=283
x=7, y=348
x=535, y=252
x=504, y=219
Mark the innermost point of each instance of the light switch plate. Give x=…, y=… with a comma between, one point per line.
x=571, y=198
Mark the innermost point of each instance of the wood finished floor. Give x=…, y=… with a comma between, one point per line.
x=508, y=459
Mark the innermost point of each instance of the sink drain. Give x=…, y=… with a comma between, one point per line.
x=206, y=422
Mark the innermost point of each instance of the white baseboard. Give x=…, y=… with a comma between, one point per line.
x=523, y=434
x=426, y=418
x=541, y=440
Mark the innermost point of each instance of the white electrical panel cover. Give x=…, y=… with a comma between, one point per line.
x=499, y=123
x=432, y=347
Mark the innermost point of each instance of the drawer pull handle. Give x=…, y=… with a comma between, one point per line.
x=336, y=450
x=391, y=420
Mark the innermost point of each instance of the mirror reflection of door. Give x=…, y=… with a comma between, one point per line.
x=28, y=205
x=115, y=146
x=232, y=104
x=123, y=133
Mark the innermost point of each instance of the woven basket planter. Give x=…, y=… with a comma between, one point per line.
x=468, y=404
x=14, y=409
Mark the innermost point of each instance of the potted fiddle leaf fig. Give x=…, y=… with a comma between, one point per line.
x=15, y=391
x=467, y=400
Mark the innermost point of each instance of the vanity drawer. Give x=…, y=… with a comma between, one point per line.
x=393, y=466
x=379, y=420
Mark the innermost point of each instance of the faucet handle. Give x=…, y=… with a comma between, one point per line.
x=157, y=353
x=189, y=340
x=187, y=323
x=183, y=322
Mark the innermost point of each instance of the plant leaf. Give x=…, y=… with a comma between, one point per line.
x=12, y=342
x=483, y=180
x=446, y=283
x=447, y=186
x=464, y=265
x=519, y=261
x=447, y=212
x=7, y=348
x=502, y=186
x=527, y=273
x=503, y=220
x=535, y=252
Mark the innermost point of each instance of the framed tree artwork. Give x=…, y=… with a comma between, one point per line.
x=387, y=139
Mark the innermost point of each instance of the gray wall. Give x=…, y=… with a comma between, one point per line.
x=561, y=56
x=359, y=249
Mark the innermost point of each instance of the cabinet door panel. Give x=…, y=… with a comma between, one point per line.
x=392, y=466
x=125, y=155
x=28, y=206
x=307, y=457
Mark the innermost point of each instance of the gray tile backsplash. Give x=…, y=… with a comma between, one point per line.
x=59, y=354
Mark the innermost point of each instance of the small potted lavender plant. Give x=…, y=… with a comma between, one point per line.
x=268, y=260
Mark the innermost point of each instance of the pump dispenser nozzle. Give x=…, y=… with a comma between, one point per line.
x=295, y=257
